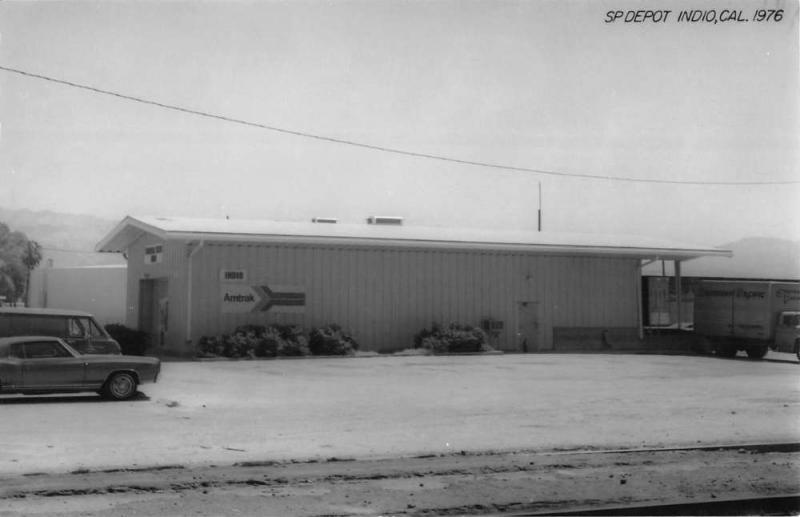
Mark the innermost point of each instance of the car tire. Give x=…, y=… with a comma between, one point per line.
x=120, y=386
x=757, y=352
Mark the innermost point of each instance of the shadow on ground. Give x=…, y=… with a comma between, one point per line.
x=65, y=399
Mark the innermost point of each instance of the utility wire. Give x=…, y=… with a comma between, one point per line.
x=383, y=148
x=48, y=248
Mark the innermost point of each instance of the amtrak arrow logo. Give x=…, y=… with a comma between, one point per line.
x=278, y=297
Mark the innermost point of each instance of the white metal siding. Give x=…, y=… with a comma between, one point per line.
x=384, y=296
x=96, y=290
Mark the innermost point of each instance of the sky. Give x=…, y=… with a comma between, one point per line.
x=605, y=111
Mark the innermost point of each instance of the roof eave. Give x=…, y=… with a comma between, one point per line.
x=125, y=233
x=632, y=252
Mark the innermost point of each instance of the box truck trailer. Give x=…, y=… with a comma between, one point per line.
x=748, y=315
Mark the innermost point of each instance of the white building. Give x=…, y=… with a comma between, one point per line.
x=187, y=278
x=98, y=290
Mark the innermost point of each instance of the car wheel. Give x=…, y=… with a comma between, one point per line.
x=757, y=352
x=120, y=386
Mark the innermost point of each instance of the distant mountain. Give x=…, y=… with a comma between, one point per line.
x=67, y=239
x=753, y=258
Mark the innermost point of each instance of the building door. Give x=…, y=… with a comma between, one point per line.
x=154, y=309
x=528, y=327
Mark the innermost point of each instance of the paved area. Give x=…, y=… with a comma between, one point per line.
x=227, y=412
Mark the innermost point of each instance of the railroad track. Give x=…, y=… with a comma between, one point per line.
x=769, y=505
x=730, y=479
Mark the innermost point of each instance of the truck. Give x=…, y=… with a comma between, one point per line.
x=753, y=316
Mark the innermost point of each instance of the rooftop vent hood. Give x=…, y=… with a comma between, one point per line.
x=384, y=219
x=324, y=220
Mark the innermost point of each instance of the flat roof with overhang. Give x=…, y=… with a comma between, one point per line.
x=132, y=228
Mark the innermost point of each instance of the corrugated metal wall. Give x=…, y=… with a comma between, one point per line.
x=384, y=296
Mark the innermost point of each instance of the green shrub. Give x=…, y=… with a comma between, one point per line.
x=456, y=338
x=255, y=341
x=131, y=341
x=289, y=340
x=420, y=336
x=331, y=340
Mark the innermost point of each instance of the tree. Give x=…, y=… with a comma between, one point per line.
x=6, y=281
x=30, y=259
x=14, y=251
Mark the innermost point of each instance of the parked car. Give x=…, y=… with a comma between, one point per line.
x=46, y=364
x=79, y=329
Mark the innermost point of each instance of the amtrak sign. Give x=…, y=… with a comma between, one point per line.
x=242, y=298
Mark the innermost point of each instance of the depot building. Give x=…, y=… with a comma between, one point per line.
x=383, y=281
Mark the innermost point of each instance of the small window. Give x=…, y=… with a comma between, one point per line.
x=32, y=325
x=5, y=325
x=76, y=328
x=94, y=329
x=45, y=350
x=48, y=326
x=16, y=350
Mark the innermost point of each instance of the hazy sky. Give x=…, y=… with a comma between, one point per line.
x=545, y=85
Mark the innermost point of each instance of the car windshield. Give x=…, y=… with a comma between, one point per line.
x=791, y=320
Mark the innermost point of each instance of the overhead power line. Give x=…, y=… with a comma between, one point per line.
x=48, y=248
x=380, y=148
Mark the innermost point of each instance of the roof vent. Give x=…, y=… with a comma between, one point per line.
x=384, y=219
x=330, y=220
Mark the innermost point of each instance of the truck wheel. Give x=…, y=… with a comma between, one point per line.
x=726, y=350
x=756, y=352
x=120, y=386
x=797, y=349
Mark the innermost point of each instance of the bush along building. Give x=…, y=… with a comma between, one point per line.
x=383, y=281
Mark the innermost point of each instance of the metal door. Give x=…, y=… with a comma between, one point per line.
x=153, y=308
x=528, y=327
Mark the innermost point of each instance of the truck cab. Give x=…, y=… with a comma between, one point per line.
x=787, y=333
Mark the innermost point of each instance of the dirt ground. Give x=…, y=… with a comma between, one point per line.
x=415, y=435
x=440, y=485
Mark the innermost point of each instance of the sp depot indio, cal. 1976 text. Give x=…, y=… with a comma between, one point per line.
x=711, y=16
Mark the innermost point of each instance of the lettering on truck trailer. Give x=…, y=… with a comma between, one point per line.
x=743, y=293
x=705, y=291
x=788, y=295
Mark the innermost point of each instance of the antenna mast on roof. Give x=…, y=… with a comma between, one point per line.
x=540, y=206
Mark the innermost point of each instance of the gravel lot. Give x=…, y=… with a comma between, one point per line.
x=203, y=413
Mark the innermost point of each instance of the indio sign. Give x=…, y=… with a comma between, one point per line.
x=242, y=298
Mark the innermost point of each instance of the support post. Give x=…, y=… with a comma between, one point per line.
x=191, y=254
x=678, y=290
x=639, y=301
x=540, y=208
